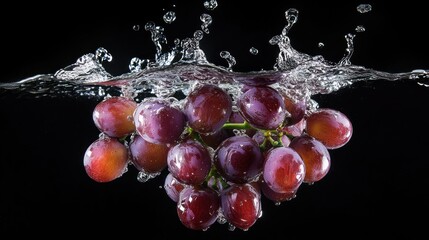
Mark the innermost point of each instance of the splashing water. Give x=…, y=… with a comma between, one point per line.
x=178, y=70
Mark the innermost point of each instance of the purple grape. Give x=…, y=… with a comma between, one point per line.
x=207, y=108
x=157, y=122
x=241, y=205
x=262, y=107
x=198, y=208
x=189, y=162
x=238, y=159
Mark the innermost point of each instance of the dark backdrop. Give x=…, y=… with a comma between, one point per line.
x=378, y=182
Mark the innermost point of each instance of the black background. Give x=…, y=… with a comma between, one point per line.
x=378, y=183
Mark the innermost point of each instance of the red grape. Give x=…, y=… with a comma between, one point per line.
x=113, y=116
x=238, y=159
x=275, y=196
x=284, y=170
x=105, y=159
x=173, y=187
x=207, y=108
x=189, y=162
x=316, y=157
x=148, y=157
x=296, y=109
x=262, y=107
x=330, y=127
x=241, y=205
x=157, y=122
x=198, y=208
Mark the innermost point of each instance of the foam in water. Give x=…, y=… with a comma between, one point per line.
x=184, y=66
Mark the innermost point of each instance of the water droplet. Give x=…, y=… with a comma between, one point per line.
x=253, y=51
x=292, y=15
x=364, y=8
x=231, y=227
x=210, y=4
x=101, y=55
x=149, y=26
x=136, y=27
x=345, y=61
x=205, y=229
x=144, y=176
x=220, y=218
x=360, y=28
x=229, y=58
x=169, y=17
x=320, y=45
x=246, y=229
x=206, y=20
x=310, y=183
x=277, y=203
x=198, y=35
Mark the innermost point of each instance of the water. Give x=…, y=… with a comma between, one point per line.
x=178, y=69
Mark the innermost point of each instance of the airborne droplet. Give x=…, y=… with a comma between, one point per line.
x=364, y=8
x=169, y=17
x=210, y=4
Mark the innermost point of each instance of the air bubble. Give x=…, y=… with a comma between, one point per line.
x=136, y=27
x=321, y=45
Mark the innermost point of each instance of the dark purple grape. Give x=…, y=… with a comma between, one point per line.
x=198, y=208
x=238, y=159
x=329, y=126
x=173, y=187
x=157, y=122
x=262, y=107
x=105, y=159
x=284, y=170
x=214, y=139
x=189, y=162
x=148, y=157
x=241, y=205
x=113, y=116
x=316, y=157
x=207, y=108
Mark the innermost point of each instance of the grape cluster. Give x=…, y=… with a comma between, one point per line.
x=220, y=161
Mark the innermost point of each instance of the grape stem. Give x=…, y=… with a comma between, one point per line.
x=244, y=125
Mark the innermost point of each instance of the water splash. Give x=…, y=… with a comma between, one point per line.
x=180, y=68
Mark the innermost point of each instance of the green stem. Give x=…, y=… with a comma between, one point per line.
x=244, y=125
